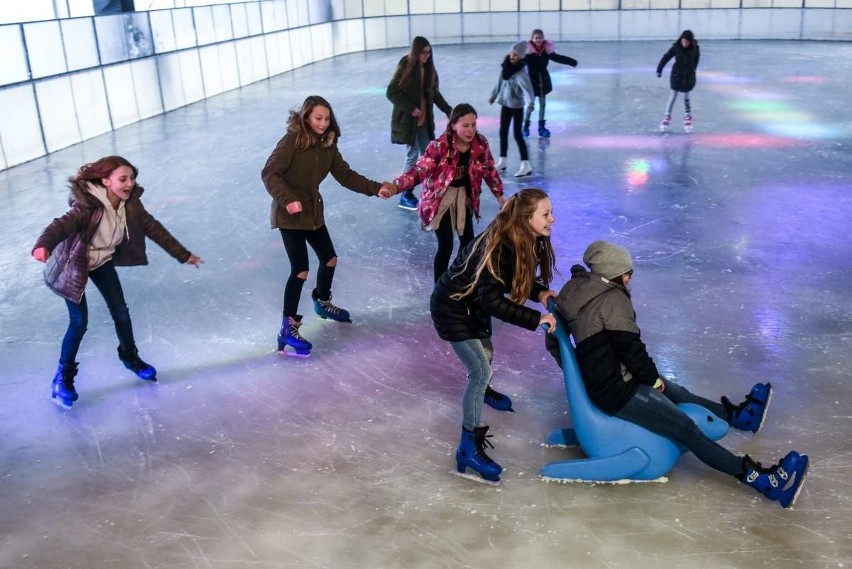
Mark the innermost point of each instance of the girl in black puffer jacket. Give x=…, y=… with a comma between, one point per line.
x=513, y=257
x=686, y=55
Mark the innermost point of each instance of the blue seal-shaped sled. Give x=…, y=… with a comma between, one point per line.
x=616, y=450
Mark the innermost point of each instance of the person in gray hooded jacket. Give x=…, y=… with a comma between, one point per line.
x=622, y=380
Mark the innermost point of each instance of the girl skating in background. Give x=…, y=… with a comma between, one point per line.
x=539, y=54
x=682, y=80
x=513, y=86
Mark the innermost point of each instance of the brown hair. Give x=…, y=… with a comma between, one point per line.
x=410, y=63
x=305, y=135
x=95, y=171
x=531, y=252
x=456, y=114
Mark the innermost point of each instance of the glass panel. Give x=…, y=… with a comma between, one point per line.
x=163, y=31
x=81, y=51
x=44, y=47
x=222, y=23
x=111, y=44
x=255, y=27
x=184, y=28
x=14, y=66
x=204, y=30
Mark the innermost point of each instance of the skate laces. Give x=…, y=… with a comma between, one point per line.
x=329, y=307
x=294, y=329
x=495, y=395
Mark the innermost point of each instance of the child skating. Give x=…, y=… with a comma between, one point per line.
x=540, y=53
x=513, y=86
x=686, y=54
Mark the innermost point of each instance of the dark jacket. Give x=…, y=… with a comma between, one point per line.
x=407, y=98
x=292, y=175
x=537, y=61
x=67, y=239
x=469, y=317
x=683, y=74
x=612, y=357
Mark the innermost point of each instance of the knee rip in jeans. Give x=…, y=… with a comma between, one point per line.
x=302, y=275
x=331, y=262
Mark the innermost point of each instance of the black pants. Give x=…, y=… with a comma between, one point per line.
x=296, y=243
x=444, y=233
x=516, y=117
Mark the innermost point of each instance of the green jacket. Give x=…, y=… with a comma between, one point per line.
x=292, y=175
x=407, y=98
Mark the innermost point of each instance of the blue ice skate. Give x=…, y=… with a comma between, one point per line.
x=497, y=400
x=289, y=336
x=616, y=450
x=751, y=413
x=471, y=453
x=325, y=309
x=62, y=390
x=781, y=482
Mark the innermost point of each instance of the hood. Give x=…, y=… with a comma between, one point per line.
x=546, y=47
x=582, y=289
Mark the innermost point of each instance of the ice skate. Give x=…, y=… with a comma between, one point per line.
x=471, y=453
x=667, y=120
x=326, y=310
x=542, y=131
x=526, y=130
x=687, y=123
x=497, y=400
x=500, y=165
x=289, y=336
x=131, y=360
x=407, y=200
x=524, y=170
x=62, y=391
x=751, y=413
x=781, y=482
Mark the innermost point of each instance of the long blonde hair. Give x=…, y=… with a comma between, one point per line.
x=531, y=252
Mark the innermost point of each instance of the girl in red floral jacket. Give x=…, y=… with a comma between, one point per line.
x=452, y=171
x=106, y=227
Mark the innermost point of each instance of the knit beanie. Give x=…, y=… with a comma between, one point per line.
x=520, y=49
x=607, y=260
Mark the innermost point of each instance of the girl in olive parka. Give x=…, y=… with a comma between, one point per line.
x=292, y=175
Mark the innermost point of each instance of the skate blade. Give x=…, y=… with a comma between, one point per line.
x=476, y=478
x=59, y=402
x=293, y=353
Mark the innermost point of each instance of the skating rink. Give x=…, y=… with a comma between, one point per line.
x=244, y=458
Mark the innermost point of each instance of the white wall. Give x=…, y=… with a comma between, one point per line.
x=63, y=81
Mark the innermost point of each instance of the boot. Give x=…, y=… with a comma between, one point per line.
x=325, y=309
x=751, y=413
x=526, y=129
x=62, y=391
x=667, y=120
x=543, y=132
x=471, y=452
x=497, y=400
x=131, y=360
x=524, y=170
x=289, y=336
x=781, y=482
x=501, y=164
x=687, y=123
x=407, y=200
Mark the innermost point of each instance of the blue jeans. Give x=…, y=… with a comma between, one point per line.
x=476, y=356
x=658, y=413
x=106, y=280
x=416, y=150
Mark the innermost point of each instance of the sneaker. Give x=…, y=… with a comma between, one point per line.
x=501, y=164
x=751, y=413
x=407, y=200
x=524, y=170
x=664, y=126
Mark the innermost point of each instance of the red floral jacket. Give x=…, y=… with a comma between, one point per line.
x=436, y=170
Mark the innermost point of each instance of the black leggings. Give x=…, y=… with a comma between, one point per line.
x=296, y=243
x=516, y=117
x=444, y=233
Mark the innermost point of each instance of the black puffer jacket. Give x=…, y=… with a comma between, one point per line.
x=682, y=78
x=407, y=98
x=537, y=60
x=469, y=317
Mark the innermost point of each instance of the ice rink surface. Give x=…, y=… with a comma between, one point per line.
x=243, y=458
